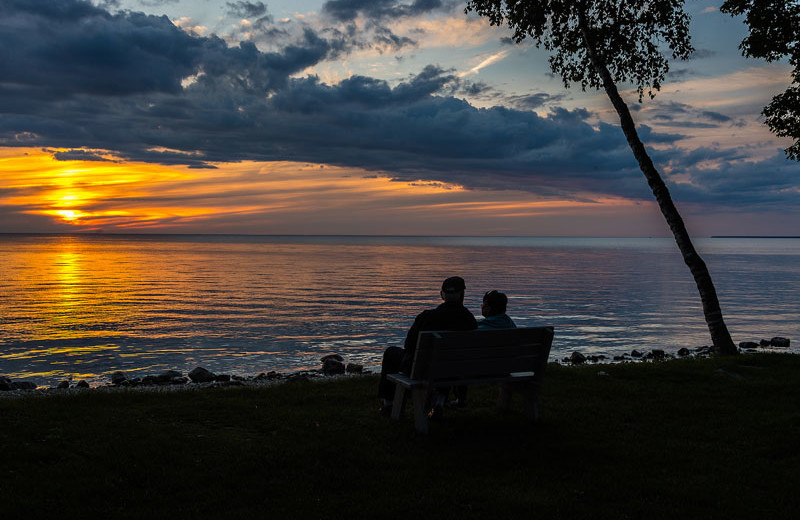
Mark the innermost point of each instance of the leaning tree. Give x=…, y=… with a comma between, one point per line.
x=601, y=43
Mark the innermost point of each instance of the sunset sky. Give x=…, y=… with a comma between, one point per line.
x=364, y=117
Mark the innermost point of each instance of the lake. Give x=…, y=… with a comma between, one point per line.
x=83, y=306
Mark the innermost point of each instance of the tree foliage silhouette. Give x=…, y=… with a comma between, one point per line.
x=599, y=44
x=775, y=34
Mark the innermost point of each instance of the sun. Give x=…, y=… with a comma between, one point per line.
x=69, y=215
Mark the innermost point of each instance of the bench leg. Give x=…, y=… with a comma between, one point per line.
x=399, y=403
x=504, y=396
x=420, y=412
x=530, y=397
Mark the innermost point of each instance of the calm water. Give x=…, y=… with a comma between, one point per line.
x=84, y=306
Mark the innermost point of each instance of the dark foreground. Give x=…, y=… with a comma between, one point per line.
x=695, y=438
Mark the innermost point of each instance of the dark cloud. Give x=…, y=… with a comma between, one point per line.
x=157, y=3
x=680, y=74
x=715, y=116
x=732, y=182
x=141, y=89
x=681, y=115
x=247, y=9
x=348, y=10
x=78, y=155
x=385, y=37
x=377, y=14
x=700, y=54
x=534, y=101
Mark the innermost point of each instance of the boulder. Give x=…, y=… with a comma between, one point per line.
x=354, y=368
x=577, y=358
x=636, y=354
x=332, y=366
x=335, y=357
x=684, y=352
x=748, y=344
x=63, y=385
x=202, y=375
x=658, y=354
x=168, y=377
x=765, y=343
x=705, y=350
x=82, y=384
x=223, y=378
x=6, y=384
x=118, y=378
x=779, y=342
x=23, y=385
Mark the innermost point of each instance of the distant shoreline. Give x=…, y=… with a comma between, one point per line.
x=753, y=236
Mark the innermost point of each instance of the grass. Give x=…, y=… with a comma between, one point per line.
x=686, y=439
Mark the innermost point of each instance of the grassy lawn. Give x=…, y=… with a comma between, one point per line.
x=686, y=439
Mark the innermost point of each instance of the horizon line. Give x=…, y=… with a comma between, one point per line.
x=99, y=233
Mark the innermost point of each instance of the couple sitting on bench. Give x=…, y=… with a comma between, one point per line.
x=449, y=316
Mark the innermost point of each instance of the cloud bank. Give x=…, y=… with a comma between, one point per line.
x=75, y=76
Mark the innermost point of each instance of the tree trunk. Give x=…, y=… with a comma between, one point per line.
x=721, y=338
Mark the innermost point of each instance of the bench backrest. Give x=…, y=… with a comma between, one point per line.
x=481, y=353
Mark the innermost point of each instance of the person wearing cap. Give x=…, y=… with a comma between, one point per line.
x=450, y=315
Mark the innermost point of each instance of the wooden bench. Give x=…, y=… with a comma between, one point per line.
x=453, y=358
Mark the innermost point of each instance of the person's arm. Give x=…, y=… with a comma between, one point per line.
x=410, y=344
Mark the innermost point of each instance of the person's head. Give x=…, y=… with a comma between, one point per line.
x=494, y=302
x=453, y=289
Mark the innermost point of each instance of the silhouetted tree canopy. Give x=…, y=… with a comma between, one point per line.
x=627, y=35
x=774, y=35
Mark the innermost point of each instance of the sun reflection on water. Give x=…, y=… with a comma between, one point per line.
x=94, y=304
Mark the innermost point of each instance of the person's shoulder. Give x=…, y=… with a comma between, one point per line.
x=427, y=313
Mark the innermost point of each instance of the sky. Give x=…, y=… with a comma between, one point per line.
x=400, y=117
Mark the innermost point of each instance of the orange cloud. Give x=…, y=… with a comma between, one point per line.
x=266, y=198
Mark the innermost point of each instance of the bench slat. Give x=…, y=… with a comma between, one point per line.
x=488, y=367
x=447, y=352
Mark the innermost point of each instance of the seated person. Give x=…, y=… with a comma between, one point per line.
x=493, y=309
x=450, y=315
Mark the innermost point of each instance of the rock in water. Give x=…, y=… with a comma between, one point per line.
x=118, y=378
x=201, y=375
x=332, y=366
x=577, y=358
x=354, y=368
x=779, y=342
